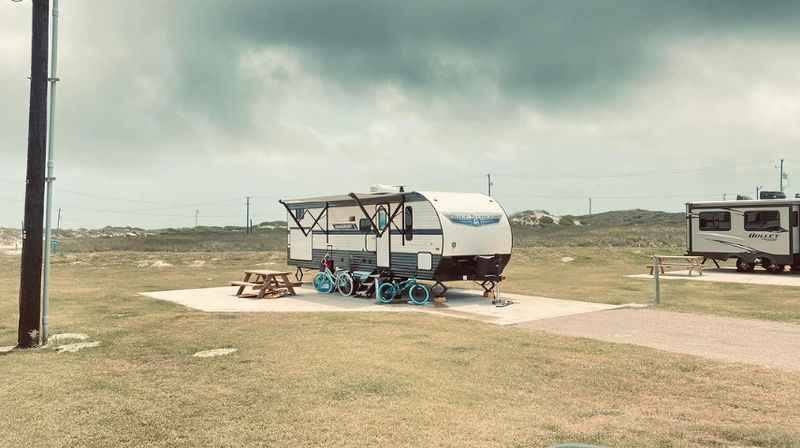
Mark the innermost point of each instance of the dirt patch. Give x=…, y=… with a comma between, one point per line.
x=153, y=264
x=76, y=347
x=215, y=352
x=63, y=337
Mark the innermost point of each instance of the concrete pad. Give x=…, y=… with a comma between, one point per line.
x=729, y=275
x=764, y=343
x=461, y=303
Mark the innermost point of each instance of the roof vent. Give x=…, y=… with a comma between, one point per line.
x=380, y=188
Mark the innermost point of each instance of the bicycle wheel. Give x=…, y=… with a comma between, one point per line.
x=344, y=284
x=386, y=293
x=419, y=295
x=323, y=283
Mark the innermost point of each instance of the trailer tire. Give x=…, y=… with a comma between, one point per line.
x=772, y=268
x=744, y=266
x=795, y=268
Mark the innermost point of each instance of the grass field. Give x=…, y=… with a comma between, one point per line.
x=373, y=379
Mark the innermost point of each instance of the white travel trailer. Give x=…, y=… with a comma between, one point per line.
x=425, y=235
x=761, y=232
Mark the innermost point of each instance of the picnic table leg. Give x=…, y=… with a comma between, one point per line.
x=264, y=285
x=241, y=288
x=288, y=285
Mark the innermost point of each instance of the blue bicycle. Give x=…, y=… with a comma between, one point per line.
x=326, y=281
x=418, y=294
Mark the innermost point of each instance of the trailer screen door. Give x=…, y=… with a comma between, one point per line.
x=382, y=251
x=299, y=245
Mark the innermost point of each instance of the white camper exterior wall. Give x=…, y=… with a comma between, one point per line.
x=480, y=237
x=776, y=241
x=738, y=239
x=425, y=218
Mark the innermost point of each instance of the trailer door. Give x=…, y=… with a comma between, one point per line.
x=299, y=245
x=383, y=246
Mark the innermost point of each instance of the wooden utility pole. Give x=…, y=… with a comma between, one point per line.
x=247, y=218
x=489, y=183
x=30, y=287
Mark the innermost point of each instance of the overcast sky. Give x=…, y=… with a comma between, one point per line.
x=170, y=106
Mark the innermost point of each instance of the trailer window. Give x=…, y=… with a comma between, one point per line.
x=715, y=221
x=762, y=220
x=299, y=213
x=383, y=219
x=364, y=225
x=408, y=221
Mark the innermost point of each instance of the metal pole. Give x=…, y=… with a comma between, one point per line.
x=48, y=237
x=489, y=183
x=656, y=275
x=590, y=206
x=781, y=181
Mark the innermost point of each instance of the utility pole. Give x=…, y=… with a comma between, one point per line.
x=781, y=174
x=58, y=225
x=590, y=206
x=196, y=217
x=247, y=219
x=489, y=183
x=48, y=234
x=30, y=287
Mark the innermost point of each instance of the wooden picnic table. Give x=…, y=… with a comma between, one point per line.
x=690, y=262
x=272, y=284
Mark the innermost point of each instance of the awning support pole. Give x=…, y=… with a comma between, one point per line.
x=366, y=214
x=294, y=218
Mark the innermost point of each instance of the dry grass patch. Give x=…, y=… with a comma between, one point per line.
x=352, y=379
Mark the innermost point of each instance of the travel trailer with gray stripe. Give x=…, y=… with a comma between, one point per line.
x=411, y=234
x=753, y=232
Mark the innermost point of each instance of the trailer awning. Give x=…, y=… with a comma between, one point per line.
x=347, y=199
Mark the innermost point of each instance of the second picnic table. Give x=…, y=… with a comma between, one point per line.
x=272, y=284
x=690, y=262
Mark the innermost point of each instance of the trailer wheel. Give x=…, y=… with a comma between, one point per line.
x=744, y=266
x=795, y=268
x=772, y=267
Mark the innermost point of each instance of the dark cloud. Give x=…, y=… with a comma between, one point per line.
x=551, y=52
x=177, y=89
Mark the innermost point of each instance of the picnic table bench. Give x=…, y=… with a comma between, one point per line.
x=270, y=284
x=689, y=262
